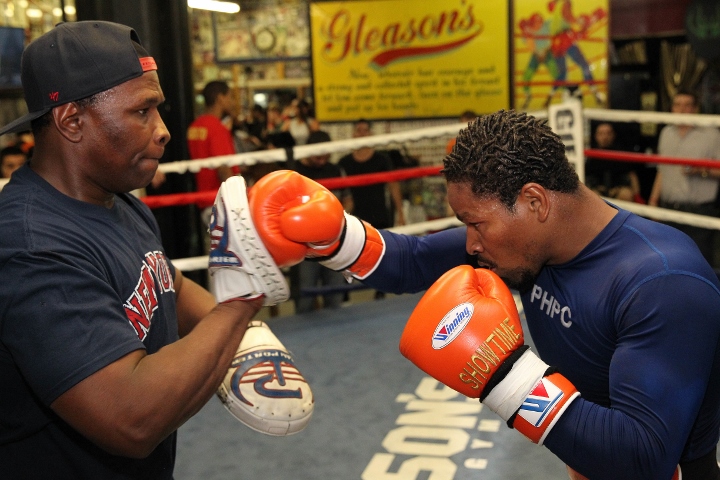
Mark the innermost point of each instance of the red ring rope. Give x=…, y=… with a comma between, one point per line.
x=177, y=199
x=648, y=158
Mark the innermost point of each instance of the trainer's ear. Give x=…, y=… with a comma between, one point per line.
x=68, y=122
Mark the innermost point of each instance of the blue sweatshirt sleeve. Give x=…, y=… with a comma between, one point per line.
x=411, y=263
x=656, y=387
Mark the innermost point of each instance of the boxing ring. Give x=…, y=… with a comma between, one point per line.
x=378, y=417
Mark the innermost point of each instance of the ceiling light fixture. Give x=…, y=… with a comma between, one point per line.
x=34, y=13
x=214, y=5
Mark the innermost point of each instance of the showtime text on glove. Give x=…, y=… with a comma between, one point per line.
x=503, y=340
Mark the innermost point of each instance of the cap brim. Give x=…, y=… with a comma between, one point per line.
x=22, y=123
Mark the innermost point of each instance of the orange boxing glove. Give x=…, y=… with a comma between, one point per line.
x=298, y=218
x=466, y=333
x=291, y=211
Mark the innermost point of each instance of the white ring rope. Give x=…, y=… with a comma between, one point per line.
x=667, y=215
x=304, y=151
x=701, y=120
x=339, y=146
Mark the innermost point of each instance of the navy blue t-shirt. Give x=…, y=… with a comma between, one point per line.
x=82, y=285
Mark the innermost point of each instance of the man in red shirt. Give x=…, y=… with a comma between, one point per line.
x=208, y=137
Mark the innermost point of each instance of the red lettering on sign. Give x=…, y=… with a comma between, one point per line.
x=343, y=35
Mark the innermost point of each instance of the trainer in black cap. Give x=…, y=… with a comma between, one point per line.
x=76, y=60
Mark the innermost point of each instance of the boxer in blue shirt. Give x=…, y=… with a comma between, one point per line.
x=624, y=312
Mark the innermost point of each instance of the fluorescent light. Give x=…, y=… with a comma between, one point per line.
x=214, y=5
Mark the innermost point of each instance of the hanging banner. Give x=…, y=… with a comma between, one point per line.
x=566, y=120
x=394, y=59
x=560, y=48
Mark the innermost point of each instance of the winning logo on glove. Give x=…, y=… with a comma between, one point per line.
x=452, y=324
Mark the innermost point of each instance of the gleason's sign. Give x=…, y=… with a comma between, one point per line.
x=400, y=59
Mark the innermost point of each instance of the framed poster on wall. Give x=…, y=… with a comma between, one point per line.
x=561, y=46
x=394, y=59
x=265, y=31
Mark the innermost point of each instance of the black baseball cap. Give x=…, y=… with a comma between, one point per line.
x=74, y=61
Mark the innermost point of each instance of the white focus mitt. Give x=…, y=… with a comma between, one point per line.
x=240, y=266
x=263, y=388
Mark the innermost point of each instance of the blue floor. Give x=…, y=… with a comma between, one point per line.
x=376, y=415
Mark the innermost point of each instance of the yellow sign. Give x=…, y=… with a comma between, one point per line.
x=560, y=47
x=401, y=59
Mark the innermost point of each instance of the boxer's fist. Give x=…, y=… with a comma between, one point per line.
x=466, y=333
x=463, y=329
x=298, y=218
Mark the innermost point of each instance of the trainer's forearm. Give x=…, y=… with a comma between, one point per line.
x=130, y=406
x=190, y=369
x=193, y=303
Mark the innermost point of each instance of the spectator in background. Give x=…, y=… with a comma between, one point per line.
x=312, y=274
x=257, y=123
x=251, y=134
x=11, y=158
x=274, y=119
x=466, y=117
x=207, y=137
x=689, y=189
x=301, y=122
x=319, y=166
x=274, y=140
x=26, y=142
x=613, y=179
x=370, y=202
